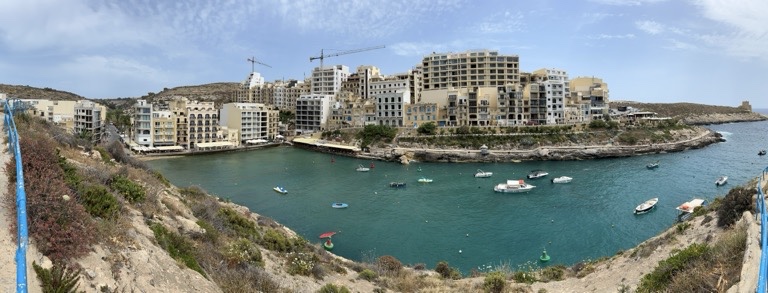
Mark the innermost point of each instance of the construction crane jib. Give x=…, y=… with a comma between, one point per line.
x=323, y=56
x=253, y=63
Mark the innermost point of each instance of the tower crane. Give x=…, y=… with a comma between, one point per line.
x=253, y=63
x=322, y=55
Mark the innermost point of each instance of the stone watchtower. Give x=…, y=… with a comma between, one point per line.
x=745, y=106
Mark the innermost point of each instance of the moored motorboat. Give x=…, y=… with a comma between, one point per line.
x=761, y=153
x=562, y=179
x=722, y=180
x=646, y=206
x=339, y=205
x=361, y=168
x=513, y=186
x=483, y=174
x=280, y=189
x=424, y=180
x=652, y=165
x=537, y=174
x=397, y=184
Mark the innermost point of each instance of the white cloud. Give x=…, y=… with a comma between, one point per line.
x=608, y=37
x=627, y=2
x=679, y=45
x=746, y=32
x=650, y=26
x=501, y=22
x=94, y=75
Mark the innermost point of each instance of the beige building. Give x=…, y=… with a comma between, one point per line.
x=251, y=89
x=420, y=113
x=59, y=112
x=252, y=122
x=469, y=69
x=163, y=128
x=203, y=122
x=593, y=92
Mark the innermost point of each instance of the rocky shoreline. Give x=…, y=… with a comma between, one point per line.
x=708, y=119
x=701, y=138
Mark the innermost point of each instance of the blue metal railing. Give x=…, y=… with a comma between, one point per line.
x=763, y=272
x=21, y=197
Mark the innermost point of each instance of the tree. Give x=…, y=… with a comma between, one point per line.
x=428, y=128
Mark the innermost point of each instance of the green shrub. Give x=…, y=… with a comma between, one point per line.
x=389, y=264
x=495, y=282
x=735, y=203
x=57, y=279
x=211, y=234
x=105, y=157
x=242, y=226
x=553, y=273
x=331, y=288
x=524, y=277
x=446, y=271
x=662, y=275
x=428, y=128
x=367, y=275
x=177, y=247
x=243, y=251
x=71, y=177
x=132, y=191
x=301, y=263
x=98, y=201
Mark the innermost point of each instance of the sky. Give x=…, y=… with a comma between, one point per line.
x=700, y=51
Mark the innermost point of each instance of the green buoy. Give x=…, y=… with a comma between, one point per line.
x=328, y=245
x=544, y=256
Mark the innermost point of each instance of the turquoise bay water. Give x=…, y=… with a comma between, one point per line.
x=458, y=218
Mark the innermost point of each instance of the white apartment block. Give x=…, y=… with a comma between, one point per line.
x=88, y=119
x=469, y=69
x=557, y=87
x=328, y=80
x=390, y=106
x=142, y=123
x=312, y=112
x=252, y=121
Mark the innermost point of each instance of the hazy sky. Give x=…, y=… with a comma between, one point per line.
x=703, y=51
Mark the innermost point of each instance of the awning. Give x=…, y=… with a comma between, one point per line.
x=255, y=141
x=169, y=148
x=213, y=144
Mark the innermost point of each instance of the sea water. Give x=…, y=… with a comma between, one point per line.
x=459, y=218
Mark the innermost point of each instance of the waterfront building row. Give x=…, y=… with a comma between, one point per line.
x=475, y=88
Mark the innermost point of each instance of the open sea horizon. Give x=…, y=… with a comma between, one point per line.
x=459, y=218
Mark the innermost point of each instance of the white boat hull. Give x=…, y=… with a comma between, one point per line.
x=647, y=206
x=513, y=188
x=562, y=179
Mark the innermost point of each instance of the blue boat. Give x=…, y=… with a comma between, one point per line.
x=339, y=205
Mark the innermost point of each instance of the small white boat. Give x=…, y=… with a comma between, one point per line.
x=562, y=179
x=361, y=168
x=721, y=181
x=280, y=189
x=652, y=165
x=424, y=180
x=537, y=174
x=646, y=206
x=339, y=205
x=397, y=184
x=483, y=174
x=513, y=186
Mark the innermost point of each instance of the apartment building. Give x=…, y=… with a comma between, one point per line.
x=512, y=108
x=592, y=91
x=287, y=92
x=479, y=68
x=88, y=119
x=251, y=89
x=328, y=80
x=348, y=110
x=557, y=88
x=142, y=123
x=420, y=113
x=312, y=112
x=365, y=75
x=61, y=113
x=203, y=122
x=251, y=121
x=390, y=106
x=163, y=128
